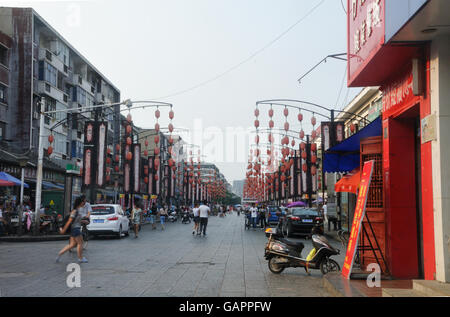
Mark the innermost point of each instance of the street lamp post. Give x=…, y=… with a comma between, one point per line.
x=39, y=174
x=23, y=163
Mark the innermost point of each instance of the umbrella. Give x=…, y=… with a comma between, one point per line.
x=11, y=179
x=297, y=204
x=6, y=183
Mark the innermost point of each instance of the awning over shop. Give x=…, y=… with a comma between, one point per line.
x=349, y=183
x=48, y=185
x=8, y=179
x=344, y=157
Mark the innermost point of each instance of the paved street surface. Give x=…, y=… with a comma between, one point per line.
x=228, y=262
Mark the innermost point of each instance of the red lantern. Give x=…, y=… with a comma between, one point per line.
x=302, y=134
x=286, y=126
x=352, y=128
x=304, y=155
x=300, y=117
x=170, y=127
x=156, y=139
x=145, y=153
x=305, y=167
x=129, y=156
x=117, y=147
x=146, y=180
x=157, y=127
x=51, y=138
x=129, y=118
x=271, y=113
x=313, y=170
x=293, y=143
x=286, y=112
x=256, y=113
x=303, y=146
x=129, y=141
x=128, y=129
x=157, y=113
x=314, y=134
x=271, y=124
x=156, y=177
x=146, y=142
x=171, y=114
x=116, y=169
x=314, y=147
x=256, y=123
x=314, y=159
x=313, y=121
x=108, y=160
x=50, y=150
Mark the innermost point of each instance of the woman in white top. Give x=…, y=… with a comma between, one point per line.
x=196, y=212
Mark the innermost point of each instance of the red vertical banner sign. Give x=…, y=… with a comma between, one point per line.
x=360, y=210
x=101, y=153
x=89, y=154
x=136, y=168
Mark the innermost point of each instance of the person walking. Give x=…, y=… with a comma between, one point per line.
x=196, y=213
x=136, y=216
x=153, y=213
x=262, y=217
x=254, y=215
x=204, y=212
x=76, y=239
x=163, y=213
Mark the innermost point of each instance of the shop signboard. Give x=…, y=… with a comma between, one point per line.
x=360, y=210
x=366, y=30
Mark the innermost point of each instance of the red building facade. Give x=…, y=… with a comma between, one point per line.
x=378, y=56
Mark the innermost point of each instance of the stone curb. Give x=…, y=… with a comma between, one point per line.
x=35, y=239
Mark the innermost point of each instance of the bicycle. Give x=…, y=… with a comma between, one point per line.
x=85, y=232
x=344, y=242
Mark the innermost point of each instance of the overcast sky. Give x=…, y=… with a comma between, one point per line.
x=162, y=49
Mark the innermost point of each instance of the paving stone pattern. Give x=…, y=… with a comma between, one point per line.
x=228, y=262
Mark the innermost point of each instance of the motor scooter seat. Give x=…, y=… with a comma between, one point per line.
x=294, y=244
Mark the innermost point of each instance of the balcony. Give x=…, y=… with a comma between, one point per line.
x=51, y=91
x=4, y=74
x=52, y=59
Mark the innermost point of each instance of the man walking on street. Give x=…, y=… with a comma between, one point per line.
x=254, y=215
x=204, y=213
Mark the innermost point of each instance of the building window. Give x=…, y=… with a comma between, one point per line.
x=3, y=55
x=50, y=105
x=3, y=94
x=2, y=130
x=81, y=96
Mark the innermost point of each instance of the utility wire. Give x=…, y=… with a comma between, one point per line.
x=247, y=59
x=342, y=85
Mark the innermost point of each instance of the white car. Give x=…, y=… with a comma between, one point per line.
x=108, y=219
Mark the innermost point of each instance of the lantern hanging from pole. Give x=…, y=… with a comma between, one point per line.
x=157, y=113
x=271, y=113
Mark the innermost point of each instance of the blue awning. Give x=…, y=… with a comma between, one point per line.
x=345, y=157
x=50, y=185
x=9, y=178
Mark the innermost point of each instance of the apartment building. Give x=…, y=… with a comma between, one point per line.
x=38, y=64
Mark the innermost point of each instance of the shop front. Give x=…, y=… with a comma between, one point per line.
x=396, y=56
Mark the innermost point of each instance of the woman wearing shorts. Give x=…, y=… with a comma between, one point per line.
x=76, y=238
x=162, y=216
x=136, y=215
x=196, y=219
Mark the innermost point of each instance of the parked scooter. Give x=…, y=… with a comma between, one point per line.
x=282, y=253
x=172, y=217
x=186, y=218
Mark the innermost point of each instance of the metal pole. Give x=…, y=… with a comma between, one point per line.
x=21, y=200
x=37, y=206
